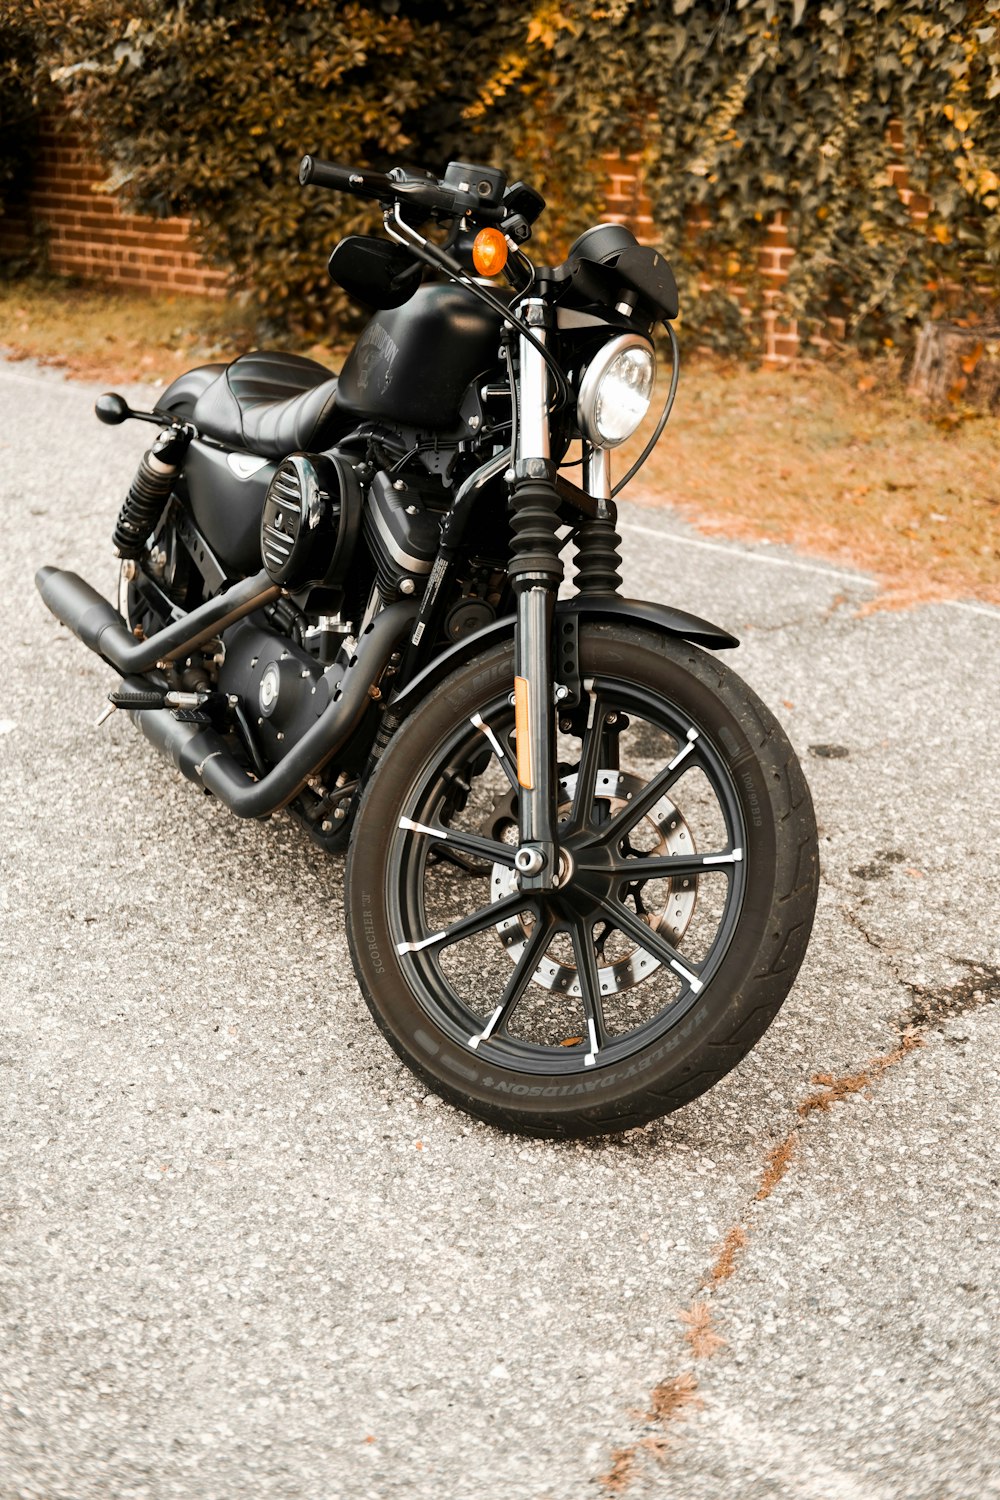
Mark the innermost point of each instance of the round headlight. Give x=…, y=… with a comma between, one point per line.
x=616, y=390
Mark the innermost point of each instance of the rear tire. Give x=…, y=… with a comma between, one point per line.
x=608, y=1027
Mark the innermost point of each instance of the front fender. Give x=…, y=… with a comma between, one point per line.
x=593, y=608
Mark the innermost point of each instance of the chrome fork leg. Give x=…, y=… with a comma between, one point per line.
x=535, y=572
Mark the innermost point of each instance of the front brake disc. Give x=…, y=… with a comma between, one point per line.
x=672, y=836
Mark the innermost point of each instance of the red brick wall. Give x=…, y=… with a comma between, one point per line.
x=627, y=203
x=89, y=234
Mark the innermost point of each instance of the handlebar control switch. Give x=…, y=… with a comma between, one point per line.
x=516, y=228
x=485, y=183
x=523, y=200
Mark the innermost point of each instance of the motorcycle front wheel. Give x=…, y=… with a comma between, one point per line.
x=686, y=891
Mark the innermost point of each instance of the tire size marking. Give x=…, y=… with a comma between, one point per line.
x=752, y=800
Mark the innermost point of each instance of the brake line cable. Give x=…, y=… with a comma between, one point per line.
x=664, y=415
x=433, y=255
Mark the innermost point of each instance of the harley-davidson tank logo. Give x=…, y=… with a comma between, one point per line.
x=375, y=348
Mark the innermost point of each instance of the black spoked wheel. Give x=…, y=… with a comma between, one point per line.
x=687, y=886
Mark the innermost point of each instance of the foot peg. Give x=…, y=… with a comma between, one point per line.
x=134, y=700
x=130, y=698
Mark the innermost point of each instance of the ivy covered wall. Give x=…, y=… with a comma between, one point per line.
x=818, y=110
x=869, y=133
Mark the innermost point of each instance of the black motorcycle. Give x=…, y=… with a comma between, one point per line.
x=583, y=864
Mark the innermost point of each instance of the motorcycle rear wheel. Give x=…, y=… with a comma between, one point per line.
x=685, y=906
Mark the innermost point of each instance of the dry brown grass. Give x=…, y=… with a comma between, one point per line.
x=115, y=335
x=622, y=1471
x=860, y=476
x=670, y=1397
x=669, y=1403
x=725, y=1262
x=94, y=333
x=834, y=1089
x=778, y=1161
x=699, y=1332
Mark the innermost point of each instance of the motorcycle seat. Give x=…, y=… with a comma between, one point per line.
x=270, y=403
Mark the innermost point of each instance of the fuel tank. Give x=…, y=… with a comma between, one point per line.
x=413, y=364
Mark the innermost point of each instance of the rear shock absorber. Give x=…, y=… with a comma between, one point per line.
x=150, y=490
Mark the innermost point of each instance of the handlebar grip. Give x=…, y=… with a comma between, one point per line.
x=327, y=174
x=421, y=192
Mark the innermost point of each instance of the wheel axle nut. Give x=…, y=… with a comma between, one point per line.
x=528, y=861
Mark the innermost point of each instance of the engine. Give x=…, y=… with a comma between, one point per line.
x=340, y=550
x=403, y=536
x=281, y=688
x=314, y=514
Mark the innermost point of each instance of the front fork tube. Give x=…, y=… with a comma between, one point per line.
x=535, y=572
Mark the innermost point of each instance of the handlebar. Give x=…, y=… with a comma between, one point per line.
x=422, y=192
x=327, y=174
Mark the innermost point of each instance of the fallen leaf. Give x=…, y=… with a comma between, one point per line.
x=971, y=360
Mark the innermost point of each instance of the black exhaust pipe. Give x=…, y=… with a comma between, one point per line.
x=203, y=756
x=99, y=625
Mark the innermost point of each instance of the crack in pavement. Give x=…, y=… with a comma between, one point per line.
x=931, y=1006
x=928, y=1011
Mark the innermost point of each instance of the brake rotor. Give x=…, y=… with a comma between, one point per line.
x=672, y=835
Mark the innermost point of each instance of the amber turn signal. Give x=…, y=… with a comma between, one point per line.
x=489, y=252
x=522, y=733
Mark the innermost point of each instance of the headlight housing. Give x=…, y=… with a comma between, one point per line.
x=616, y=390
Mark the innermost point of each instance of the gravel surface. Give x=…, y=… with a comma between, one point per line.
x=242, y=1251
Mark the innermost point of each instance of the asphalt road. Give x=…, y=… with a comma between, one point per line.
x=242, y=1252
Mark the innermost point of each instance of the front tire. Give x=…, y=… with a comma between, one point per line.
x=687, y=898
